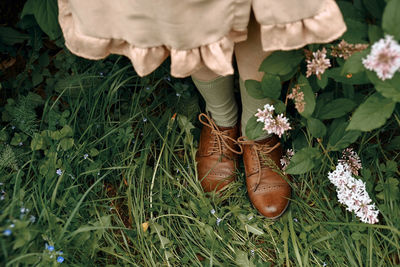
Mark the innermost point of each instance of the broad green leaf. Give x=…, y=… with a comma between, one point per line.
x=374, y=33
x=9, y=36
x=316, y=127
x=37, y=142
x=280, y=107
x=388, y=88
x=339, y=138
x=391, y=19
x=46, y=15
x=354, y=64
x=254, y=129
x=357, y=78
x=357, y=32
x=323, y=82
x=282, y=62
x=271, y=86
x=67, y=143
x=375, y=7
x=336, y=108
x=309, y=97
x=253, y=88
x=372, y=114
x=303, y=161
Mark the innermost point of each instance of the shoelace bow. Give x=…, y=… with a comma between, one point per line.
x=220, y=136
x=258, y=149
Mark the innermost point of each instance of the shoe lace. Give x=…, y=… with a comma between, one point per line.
x=261, y=151
x=220, y=143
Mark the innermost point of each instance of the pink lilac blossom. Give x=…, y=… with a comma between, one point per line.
x=351, y=192
x=318, y=63
x=285, y=160
x=384, y=58
x=276, y=125
x=351, y=159
x=298, y=97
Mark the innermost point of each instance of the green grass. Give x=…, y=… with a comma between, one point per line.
x=140, y=170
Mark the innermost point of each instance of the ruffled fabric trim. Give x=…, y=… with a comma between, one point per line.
x=216, y=56
x=325, y=27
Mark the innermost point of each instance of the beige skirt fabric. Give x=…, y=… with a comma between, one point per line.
x=194, y=33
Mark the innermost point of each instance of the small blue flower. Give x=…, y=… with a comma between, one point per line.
x=101, y=74
x=167, y=78
x=212, y=211
x=85, y=156
x=295, y=220
x=178, y=94
x=251, y=217
x=148, y=88
x=218, y=221
x=144, y=119
x=59, y=172
x=20, y=144
x=50, y=248
x=12, y=225
x=7, y=232
x=60, y=259
x=59, y=252
x=252, y=252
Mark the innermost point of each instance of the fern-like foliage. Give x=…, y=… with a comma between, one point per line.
x=22, y=114
x=8, y=158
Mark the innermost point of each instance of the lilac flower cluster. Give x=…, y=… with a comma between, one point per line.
x=384, y=58
x=317, y=63
x=285, y=160
x=352, y=193
x=276, y=125
x=352, y=160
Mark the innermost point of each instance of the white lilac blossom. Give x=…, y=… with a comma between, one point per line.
x=317, y=63
x=384, y=58
x=351, y=192
x=276, y=125
x=285, y=160
x=351, y=159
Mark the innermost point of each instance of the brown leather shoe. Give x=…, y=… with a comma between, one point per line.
x=267, y=190
x=217, y=154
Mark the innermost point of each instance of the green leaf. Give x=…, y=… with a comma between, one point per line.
x=9, y=36
x=374, y=33
x=388, y=88
x=309, y=97
x=336, y=108
x=46, y=15
x=357, y=32
x=323, y=82
x=357, y=78
x=254, y=129
x=391, y=19
x=271, y=86
x=253, y=88
x=282, y=62
x=372, y=114
x=375, y=7
x=316, y=127
x=242, y=259
x=303, y=161
x=354, y=64
x=280, y=107
x=93, y=152
x=254, y=229
x=37, y=142
x=339, y=138
x=67, y=143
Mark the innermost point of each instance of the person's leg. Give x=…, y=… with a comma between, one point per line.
x=267, y=190
x=249, y=55
x=218, y=151
x=218, y=94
